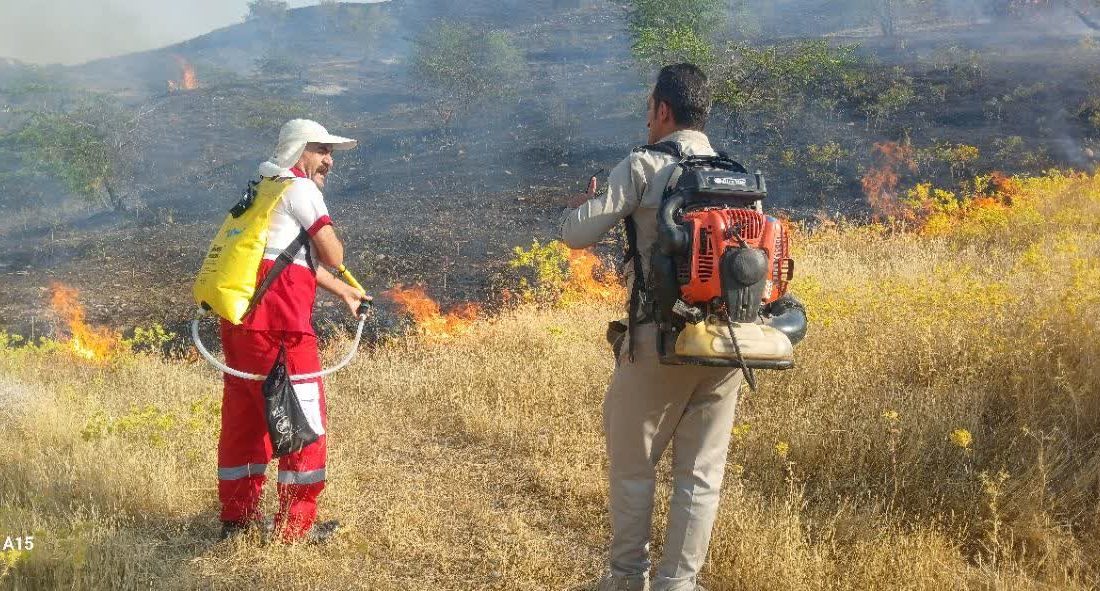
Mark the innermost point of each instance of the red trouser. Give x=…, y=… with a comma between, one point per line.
x=244, y=448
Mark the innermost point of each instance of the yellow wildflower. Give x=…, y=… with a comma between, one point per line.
x=740, y=431
x=11, y=558
x=961, y=438
x=782, y=448
x=891, y=416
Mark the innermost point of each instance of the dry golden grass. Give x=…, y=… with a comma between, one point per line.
x=478, y=464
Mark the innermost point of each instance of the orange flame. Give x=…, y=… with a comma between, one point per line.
x=880, y=183
x=425, y=312
x=86, y=342
x=589, y=279
x=188, y=80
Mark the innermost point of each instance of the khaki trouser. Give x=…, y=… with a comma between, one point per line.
x=647, y=406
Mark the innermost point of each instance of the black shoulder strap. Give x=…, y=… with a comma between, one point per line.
x=285, y=258
x=637, y=287
x=669, y=147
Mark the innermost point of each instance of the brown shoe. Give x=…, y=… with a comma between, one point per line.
x=235, y=529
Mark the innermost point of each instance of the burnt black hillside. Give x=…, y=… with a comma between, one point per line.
x=443, y=203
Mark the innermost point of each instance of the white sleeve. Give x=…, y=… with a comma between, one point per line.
x=307, y=206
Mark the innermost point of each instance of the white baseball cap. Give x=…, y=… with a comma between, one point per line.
x=304, y=130
x=293, y=137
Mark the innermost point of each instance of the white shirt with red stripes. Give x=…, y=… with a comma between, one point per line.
x=302, y=206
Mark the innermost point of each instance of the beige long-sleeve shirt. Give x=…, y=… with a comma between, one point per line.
x=634, y=188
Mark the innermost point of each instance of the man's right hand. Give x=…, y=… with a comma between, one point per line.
x=353, y=298
x=578, y=200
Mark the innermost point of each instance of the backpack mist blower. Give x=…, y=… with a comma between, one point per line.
x=720, y=270
x=226, y=283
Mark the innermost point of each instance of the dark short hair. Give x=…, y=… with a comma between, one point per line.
x=684, y=88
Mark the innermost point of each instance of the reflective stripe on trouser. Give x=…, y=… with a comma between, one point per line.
x=239, y=472
x=244, y=447
x=648, y=406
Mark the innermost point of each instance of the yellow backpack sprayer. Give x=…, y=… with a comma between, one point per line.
x=226, y=283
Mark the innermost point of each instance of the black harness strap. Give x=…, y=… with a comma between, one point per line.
x=670, y=147
x=284, y=259
x=638, y=286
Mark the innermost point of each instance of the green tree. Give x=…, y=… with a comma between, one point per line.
x=670, y=31
x=462, y=66
x=661, y=47
x=90, y=149
x=772, y=84
x=702, y=17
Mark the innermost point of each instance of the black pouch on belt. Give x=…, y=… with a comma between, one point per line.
x=287, y=424
x=616, y=331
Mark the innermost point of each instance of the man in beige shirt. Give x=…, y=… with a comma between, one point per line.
x=650, y=405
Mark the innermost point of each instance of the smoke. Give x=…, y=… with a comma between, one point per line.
x=75, y=31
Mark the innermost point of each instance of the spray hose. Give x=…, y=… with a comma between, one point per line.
x=361, y=313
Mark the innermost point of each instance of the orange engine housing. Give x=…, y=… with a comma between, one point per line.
x=712, y=232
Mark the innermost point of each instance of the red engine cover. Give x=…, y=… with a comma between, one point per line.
x=712, y=233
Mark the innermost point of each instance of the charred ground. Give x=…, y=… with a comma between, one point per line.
x=444, y=205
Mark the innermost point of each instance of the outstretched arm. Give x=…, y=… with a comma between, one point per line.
x=584, y=225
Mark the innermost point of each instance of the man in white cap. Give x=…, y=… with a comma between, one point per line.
x=283, y=317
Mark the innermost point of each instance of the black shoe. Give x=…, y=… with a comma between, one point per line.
x=234, y=529
x=322, y=532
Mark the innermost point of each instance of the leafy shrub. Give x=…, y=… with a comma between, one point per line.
x=998, y=107
x=959, y=158
x=1012, y=153
x=821, y=165
x=767, y=86
x=90, y=149
x=888, y=103
x=702, y=17
x=279, y=62
x=463, y=66
x=152, y=425
x=151, y=339
x=671, y=31
x=542, y=271
x=367, y=20
x=965, y=68
x=553, y=274
x=669, y=46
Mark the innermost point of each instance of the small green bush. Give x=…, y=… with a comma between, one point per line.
x=90, y=149
x=542, y=271
x=462, y=66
